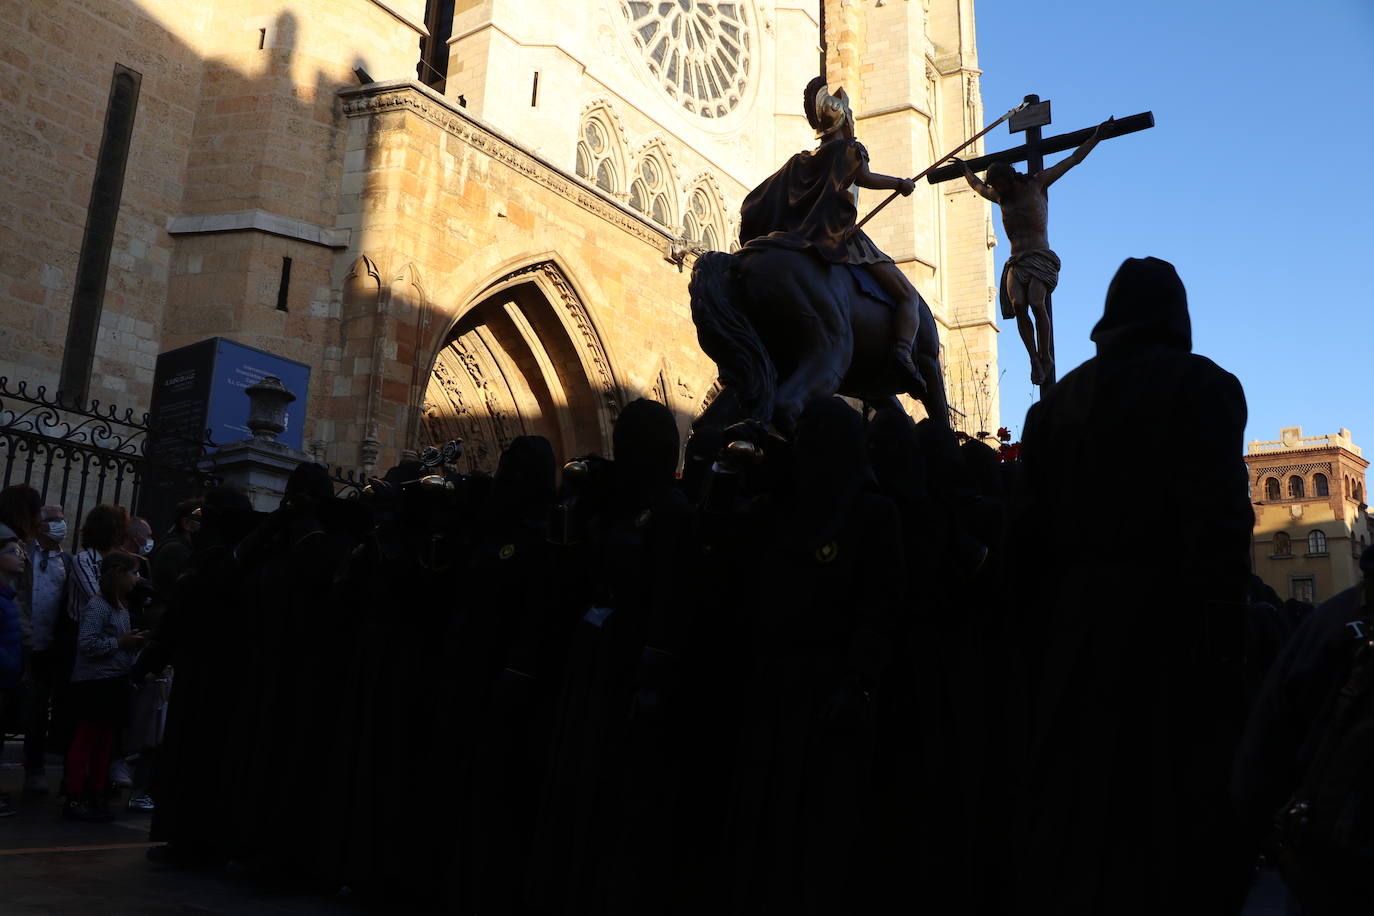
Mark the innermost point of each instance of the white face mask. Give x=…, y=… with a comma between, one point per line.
x=57, y=530
x=147, y=547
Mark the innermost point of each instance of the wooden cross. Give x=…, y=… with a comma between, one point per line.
x=1032, y=117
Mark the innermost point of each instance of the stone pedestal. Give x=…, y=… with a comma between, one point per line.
x=258, y=467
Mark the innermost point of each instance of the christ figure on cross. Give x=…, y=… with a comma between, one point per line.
x=1032, y=271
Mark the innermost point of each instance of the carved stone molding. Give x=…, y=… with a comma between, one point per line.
x=592, y=343
x=406, y=97
x=496, y=413
x=711, y=394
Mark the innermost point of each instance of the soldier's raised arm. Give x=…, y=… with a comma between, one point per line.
x=1055, y=172
x=977, y=183
x=873, y=181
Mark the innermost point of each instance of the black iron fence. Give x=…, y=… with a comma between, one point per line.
x=348, y=484
x=79, y=455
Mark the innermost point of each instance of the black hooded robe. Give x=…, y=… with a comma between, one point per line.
x=1135, y=686
x=831, y=579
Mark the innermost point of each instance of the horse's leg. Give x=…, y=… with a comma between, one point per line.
x=928, y=361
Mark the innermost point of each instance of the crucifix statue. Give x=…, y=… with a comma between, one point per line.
x=1032, y=270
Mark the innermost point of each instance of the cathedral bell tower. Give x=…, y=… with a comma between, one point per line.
x=910, y=68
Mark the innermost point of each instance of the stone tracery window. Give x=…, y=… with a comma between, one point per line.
x=650, y=192
x=701, y=221
x=597, y=158
x=700, y=53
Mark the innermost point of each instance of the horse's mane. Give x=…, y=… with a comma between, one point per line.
x=809, y=101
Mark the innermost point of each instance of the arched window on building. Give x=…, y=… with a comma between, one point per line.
x=1320, y=486
x=598, y=156
x=1316, y=542
x=1359, y=492
x=702, y=222
x=1296, y=489
x=1271, y=489
x=650, y=192
x=606, y=177
x=1283, y=545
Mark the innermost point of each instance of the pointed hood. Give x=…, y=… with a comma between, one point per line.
x=1146, y=304
x=646, y=444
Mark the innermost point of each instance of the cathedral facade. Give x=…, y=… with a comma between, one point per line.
x=469, y=218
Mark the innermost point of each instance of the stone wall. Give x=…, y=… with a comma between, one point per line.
x=56, y=66
x=448, y=209
x=237, y=112
x=912, y=73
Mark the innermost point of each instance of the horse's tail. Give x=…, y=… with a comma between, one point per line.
x=728, y=336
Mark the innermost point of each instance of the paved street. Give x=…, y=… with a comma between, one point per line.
x=52, y=866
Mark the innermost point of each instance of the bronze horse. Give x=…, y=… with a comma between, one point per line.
x=786, y=328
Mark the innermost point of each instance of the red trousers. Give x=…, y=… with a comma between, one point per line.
x=88, y=758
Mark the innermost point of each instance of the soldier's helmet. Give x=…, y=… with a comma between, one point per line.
x=824, y=112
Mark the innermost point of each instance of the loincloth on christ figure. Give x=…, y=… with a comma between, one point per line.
x=1037, y=264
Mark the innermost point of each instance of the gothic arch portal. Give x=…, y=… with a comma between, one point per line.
x=524, y=359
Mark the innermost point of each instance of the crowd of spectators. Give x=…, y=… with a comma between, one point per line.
x=75, y=622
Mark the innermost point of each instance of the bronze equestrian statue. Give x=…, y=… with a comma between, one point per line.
x=809, y=307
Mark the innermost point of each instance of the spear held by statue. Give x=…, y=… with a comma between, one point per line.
x=941, y=161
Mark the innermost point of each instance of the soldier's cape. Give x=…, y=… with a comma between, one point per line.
x=808, y=203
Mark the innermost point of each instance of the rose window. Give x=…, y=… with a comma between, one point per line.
x=700, y=53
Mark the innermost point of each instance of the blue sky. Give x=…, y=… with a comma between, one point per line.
x=1256, y=182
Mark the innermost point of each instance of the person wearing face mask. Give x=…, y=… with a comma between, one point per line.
x=138, y=542
x=49, y=580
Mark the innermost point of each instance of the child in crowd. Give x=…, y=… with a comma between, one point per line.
x=106, y=650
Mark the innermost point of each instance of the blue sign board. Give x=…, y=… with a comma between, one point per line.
x=202, y=386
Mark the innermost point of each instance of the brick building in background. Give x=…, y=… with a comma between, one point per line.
x=493, y=249
x=1311, y=520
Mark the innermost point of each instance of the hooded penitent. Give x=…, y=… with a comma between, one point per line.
x=646, y=442
x=894, y=451
x=1132, y=630
x=1146, y=304
x=524, y=482
x=829, y=468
